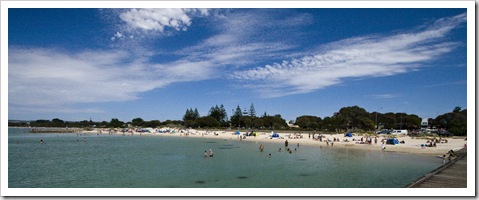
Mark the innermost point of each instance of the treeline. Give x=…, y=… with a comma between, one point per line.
x=347, y=118
x=218, y=118
x=113, y=123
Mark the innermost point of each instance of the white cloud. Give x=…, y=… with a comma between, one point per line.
x=46, y=78
x=156, y=19
x=382, y=96
x=370, y=56
x=244, y=37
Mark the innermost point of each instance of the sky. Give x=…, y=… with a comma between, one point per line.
x=99, y=64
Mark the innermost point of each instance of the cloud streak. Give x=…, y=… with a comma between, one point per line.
x=369, y=56
x=46, y=78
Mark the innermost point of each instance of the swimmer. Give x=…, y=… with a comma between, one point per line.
x=84, y=139
x=269, y=155
x=279, y=150
x=41, y=141
x=206, y=154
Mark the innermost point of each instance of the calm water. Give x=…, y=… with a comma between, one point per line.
x=106, y=161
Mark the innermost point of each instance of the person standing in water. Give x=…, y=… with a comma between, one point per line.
x=206, y=154
x=261, y=148
x=211, y=153
x=286, y=143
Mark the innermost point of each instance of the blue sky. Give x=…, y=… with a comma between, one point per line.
x=77, y=64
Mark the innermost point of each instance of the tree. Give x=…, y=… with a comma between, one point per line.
x=455, y=122
x=191, y=115
x=137, y=122
x=309, y=122
x=274, y=122
x=224, y=114
x=329, y=124
x=257, y=123
x=252, y=111
x=207, y=121
x=57, y=122
x=356, y=117
x=219, y=113
x=235, y=118
x=152, y=123
x=246, y=121
x=115, y=123
x=196, y=114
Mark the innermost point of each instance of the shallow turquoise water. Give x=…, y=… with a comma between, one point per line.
x=107, y=161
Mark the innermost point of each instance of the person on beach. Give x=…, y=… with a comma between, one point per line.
x=383, y=147
x=211, y=153
x=443, y=159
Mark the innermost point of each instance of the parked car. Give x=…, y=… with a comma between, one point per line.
x=444, y=133
x=384, y=131
x=399, y=132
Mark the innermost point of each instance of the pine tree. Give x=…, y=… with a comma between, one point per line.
x=237, y=114
x=223, y=114
x=196, y=114
x=252, y=111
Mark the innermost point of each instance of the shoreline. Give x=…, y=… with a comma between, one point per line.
x=410, y=145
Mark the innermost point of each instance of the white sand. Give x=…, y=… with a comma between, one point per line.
x=410, y=145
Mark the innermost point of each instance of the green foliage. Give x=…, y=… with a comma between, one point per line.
x=115, y=123
x=219, y=113
x=455, y=122
x=137, y=122
x=191, y=115
x=274, y=122
x=207, y=121
x=235, y=118
x=252, y=111
x=309, y=122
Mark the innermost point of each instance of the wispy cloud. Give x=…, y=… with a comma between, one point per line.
x=247, y=36
x=382, y=96
x=367, y=56
x=46, y=77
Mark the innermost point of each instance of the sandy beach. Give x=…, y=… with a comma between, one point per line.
x=413, y=145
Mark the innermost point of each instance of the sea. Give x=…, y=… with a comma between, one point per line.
x=73, y=160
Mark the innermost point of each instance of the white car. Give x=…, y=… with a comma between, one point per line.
x=399, y=132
